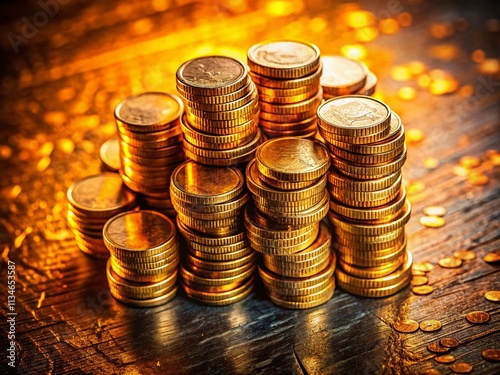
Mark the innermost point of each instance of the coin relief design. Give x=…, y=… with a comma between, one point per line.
x=294, y=155
x=212, y=71
x=284, y=54
x=353, y=112
x=149, y=109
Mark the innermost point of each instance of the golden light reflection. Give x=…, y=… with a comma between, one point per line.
x=353, y=51
x=359, y=18
x=280, y=8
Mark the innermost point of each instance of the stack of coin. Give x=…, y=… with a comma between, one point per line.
x=345, y=76
x=142, y=269
x=287, y=180
x=109, y=154
x=222, y=111
x=150, y=145
x=287, y=75
x=91, y=202
x=368, y=205
x=218, y=264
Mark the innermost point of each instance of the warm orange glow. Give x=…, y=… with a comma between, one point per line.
x=389, y=26
x=359, y=18
x=43, y=164
x=478, y=179
x=445, y=52
x=478, y=56
x=431, y=163
x=406, y=93
x=424, y=80
x=280, y=8
x=414, y=135
x=353, y=51
x=401, y=73
x=490, y=66
x=416, y=67
x=443, y=86
x=470, y=161
x=405, y=19
x=66, y=145
x=5, y=152
x=318, y=24
x=441, y=30
x=466, y=91
x=366, y=34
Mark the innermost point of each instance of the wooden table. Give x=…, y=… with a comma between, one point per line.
x=58, y=95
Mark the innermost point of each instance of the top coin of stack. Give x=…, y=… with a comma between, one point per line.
x=150, y=145
x=287, y=74
x=222, y=111
x=345, y=76
x=368, y=206
x=91, y=202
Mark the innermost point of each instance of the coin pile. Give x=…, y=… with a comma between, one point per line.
x=368, y=205
x=345, y=76
x=222, y=111
x=91, y=202
x=287, y=74
x=144, y=247
x=287, y=180
x=218, y=263
x=150, y=145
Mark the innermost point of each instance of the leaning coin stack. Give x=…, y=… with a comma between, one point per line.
x=222, y=111
x=368, y=206
x=150, y=145
x=144, y=247
x=91, y=202
x=287, y=180
x=287, y=75
x=218, y=263
x=345, y=76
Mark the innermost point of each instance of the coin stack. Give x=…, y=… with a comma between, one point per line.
x=368, y=206
x=150, y=145
x=91, y=202
x=345, y=76
x=109, y=154
x=287, y=180
x=287, y=74
x=218, y=263
x=222, y=111
x=144, y=247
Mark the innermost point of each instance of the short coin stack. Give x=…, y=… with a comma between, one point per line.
x=222, y=111
x=91, y=202
x=287, y=75
x=287, y=180
x=345, y=76
x=218, y=264
x=142, y=269
x=368, y=204
x=150, y=145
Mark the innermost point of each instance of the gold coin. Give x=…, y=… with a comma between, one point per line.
x=422, y=266
x=372, y=261
x=221, y=257
x=419, y=280
x=228, y=248
x=434, y=211
x=418, y=273
x=342, y=75
x=290, y=107
x=110, y=154
x=334, y=138
x=166, y=257
x=211, y=75
x=221, y=266
x=436, y=347
x=465, y=255
x=305, y=133
x=208, y=224
x=228, y=162
x=447, y=358
x=405, y=326
x=102, y=195
x=207, y=297
x=152, y=276
x=491, y=355
x=364, y=196
x=478, y=317
x=166, y=137
x=492, y=256
x=143, y=188
x=422, y=290
x=217, y=99
x=374, y=292
x=145, y=302
x=493, y=295
x=267, y=102
x=461, y=368
x=339, y=180
x=304, y=269
x=200, y=184
x=218, y=274
x=432, y=221
x=244, y=291
x=449, y=342
x=233, y=105
x=284, y=208
x=212, y=212
x=292, y=159
x=370, y=85
x=209, y=123
x=375, y=158
x=192, y=236
x=450, y=262
x=144, y=150
x=283, y=59
x=312, y=296
x=354, y=115
x=244, y=110
x=286, y=185
x=150, y=111
x=188, y=275
x=139, y=233
x=141, y=163
x=282, y=250
x=312, y=79
x=430, y=325
x=322, y=297
x=372, y=272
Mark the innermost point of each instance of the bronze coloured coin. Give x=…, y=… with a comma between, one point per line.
x=447, y=358
x=478, y=317
x=449, y=342
x=422, y=290
x=491, y=355
x=405, y=326
x=342, y=75
x=493, y=295
x=430, y=325
x=450, y=262
x=461, y=368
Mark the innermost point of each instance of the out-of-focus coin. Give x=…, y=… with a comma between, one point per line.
x=419, y=280
x=449, y=342
x=406, y=326
x=422, y=266
x=110, y=154
x=430, y=325
x=434, y=211
x=422, y=290
x=447, y=358
x=491, y=355
x=492, y=257
x=465, y=254
x=450, y=262
x=432, y=221
x=461, y=368
x=436, y=347
x=493, y=295
x=478, y=317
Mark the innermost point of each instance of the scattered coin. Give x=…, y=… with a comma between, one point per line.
x=478, y=179
x=465, y=254
x=430, y=325
x=470, y=161
x=415, y=272
x=422, y=290
x=422, y=266
x=431, y=371
x=450, y=262
x=478, y=317
x=492, y=256
x=461, y=368
x=405, y=326
x=434, y=211
x=491, y=355
x=447, y=358
x=493, y=295
x=419, y=280
x=449, y=342
x=436, y=347
x=432, y=221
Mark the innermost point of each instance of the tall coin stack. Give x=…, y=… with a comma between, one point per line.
x=368, y=206
x=287, y=180
x=222, y=111
x=142, y=269
x=218, y=264
x=287, y=75
x=345, y=76
x=91, y=202
x=150, y=145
